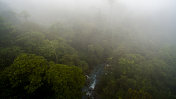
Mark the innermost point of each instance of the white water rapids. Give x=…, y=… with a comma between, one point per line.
x=92, y=80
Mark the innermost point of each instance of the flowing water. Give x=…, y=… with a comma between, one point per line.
x=92, y=80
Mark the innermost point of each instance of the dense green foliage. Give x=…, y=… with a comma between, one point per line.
x=66, y=81
x=33, y=76
x=26, y=70
x=133, y=72
x=38, y=62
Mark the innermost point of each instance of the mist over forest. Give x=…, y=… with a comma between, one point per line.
x=88, y=49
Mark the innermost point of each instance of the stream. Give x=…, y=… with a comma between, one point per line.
x=92, y=80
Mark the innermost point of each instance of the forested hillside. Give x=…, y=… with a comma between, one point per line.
x=54, y=61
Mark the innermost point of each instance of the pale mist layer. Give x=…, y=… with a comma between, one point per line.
x=142, y=18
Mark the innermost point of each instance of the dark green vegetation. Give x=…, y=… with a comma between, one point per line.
x=40, y=62
x=32, y=66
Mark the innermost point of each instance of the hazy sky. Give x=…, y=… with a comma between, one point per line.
x=136, y=6
x=148, y=15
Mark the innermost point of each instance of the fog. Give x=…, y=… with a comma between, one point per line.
x=151, y=17
x=88, y=49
